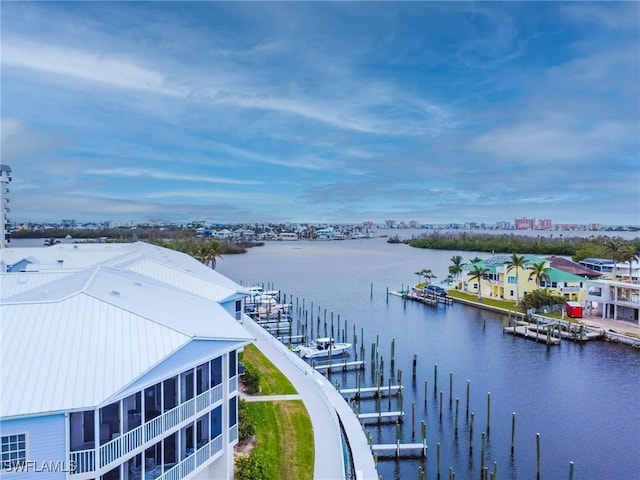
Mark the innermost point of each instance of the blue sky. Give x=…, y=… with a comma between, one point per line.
x=322, y=112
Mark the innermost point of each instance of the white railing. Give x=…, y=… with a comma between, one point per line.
x=84, y=461
x=122, y=445
x=233, y=384
x=189, y=464
x=233, y=433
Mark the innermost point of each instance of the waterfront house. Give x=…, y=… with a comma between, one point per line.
x=608, y=269
x=119, y=362
x=500, y=282
x=616, y=300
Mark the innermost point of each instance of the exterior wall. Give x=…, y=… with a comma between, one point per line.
x=46, y=447
x=5, y=180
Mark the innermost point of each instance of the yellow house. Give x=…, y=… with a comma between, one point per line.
x=504, y=283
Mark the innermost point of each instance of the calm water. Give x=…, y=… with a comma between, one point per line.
x=581, y=399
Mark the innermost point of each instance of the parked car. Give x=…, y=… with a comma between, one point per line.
x=435, y=290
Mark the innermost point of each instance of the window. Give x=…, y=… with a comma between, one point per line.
x=14, y=450
x=512, y=279
x=232, y=364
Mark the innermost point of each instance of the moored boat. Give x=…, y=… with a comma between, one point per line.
x=323, y=347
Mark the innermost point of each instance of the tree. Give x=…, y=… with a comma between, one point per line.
x=455, y=268
x=516, y=263
x=478, y=272
x=614, y=247
x=629, y=254
x=475, y=260
x=419, y=276
x=428, y=275
x=539, y=272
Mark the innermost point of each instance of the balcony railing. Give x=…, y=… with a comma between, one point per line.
x=233, y=384
x=233, y=433
x=193, y=461
x=128, y=442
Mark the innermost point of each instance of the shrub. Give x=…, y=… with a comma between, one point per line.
x=251, y=468
x=541, y=298
x=251, y=379
x=246, y=424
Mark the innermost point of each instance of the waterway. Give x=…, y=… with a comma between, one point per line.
x=582, y=399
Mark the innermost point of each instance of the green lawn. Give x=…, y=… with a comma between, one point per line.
x=494, y=302
x=272, y=381
x=284, y=439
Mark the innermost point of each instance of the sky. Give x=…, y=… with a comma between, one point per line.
x=322, y=112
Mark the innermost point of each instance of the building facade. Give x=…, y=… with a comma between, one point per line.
x=5, y=180
x=616, y=300
x=122, y=364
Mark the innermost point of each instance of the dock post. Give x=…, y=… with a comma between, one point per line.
x=435, y=378
x=488, y=412
x=415, y=364
x=467, y=408
x=387, y=294
x=537, y=456
x=450, y=388
x=471, y=434
x=438, y=460
x=425, y=393
x=482, y=440
x=423, y=431
x=441, y=405
x=393, y=354
x=371, y=293
x=455, y=430
x=413, y=420
x=570, y=470
x=494, y=474
x=513, y=431
x=389, y=390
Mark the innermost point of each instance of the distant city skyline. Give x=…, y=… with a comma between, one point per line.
x=330, y=112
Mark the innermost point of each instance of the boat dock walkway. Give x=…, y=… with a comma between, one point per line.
x=530, y=332
x=422, y=297
x=400, y=449
x=378, y=417
x=341, y=365
x=375, y=391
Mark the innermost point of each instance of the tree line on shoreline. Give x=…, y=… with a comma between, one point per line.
x=576, y=247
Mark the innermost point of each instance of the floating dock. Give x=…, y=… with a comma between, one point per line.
x=426, y=298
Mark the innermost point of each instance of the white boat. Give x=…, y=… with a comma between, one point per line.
x=322, y=347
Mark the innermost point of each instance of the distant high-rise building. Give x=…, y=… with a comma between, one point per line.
x=544, y=224
x=5, y=180
x=524, y=223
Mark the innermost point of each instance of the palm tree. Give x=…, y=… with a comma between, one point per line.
x=456, y=268
x=419, y=276
x=475, y=260
x=614, y=248
x=478, y=272
x=208, y=251
x=516, y=262
x=630, y=254
x=428, y=275
x=539, y=272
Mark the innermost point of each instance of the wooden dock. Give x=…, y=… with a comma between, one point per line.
x=398, y=449
x=374, y=391
x=379, y=417
x=426, y=298
x=344, y=366
x=530, y=332
x=291, y=338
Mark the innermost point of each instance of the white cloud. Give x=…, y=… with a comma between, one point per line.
x=102, y=68
x=167, y=175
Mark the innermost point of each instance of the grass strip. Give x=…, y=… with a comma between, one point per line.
x=272, y=381
x=284, y=438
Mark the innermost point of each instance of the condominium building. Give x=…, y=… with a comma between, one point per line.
x=119, y=362
x=5, y=180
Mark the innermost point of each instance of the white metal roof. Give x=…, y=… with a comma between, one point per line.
x=74, y=341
